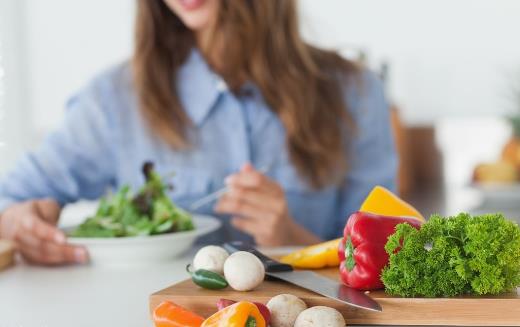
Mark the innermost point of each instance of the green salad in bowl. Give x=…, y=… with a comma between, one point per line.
x=148, y=212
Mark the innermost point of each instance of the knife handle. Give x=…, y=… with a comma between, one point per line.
x=270, y=265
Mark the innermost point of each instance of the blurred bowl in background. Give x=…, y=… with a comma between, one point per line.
x=498, y=195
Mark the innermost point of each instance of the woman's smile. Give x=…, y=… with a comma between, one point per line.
x=192, y=4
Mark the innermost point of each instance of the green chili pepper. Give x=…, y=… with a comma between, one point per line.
x=250, y=322
x=207, y=278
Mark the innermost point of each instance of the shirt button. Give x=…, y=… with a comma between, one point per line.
x=221, y=85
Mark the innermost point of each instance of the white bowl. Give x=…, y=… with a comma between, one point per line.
x=145, y=249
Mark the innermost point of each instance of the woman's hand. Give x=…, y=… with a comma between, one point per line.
x=259, y=208
x=31, y=226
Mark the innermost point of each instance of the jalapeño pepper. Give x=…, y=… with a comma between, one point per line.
x=207, y=278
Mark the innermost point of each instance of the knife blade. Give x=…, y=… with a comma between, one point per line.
x=309, y=280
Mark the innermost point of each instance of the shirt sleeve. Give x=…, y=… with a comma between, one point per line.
x=372, y=158
x=73, y=162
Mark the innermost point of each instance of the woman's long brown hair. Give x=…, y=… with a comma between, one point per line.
x=304, y=86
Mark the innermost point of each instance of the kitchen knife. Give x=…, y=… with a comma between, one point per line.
x=309, y=280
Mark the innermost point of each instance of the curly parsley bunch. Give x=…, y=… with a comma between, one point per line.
x=454, y=255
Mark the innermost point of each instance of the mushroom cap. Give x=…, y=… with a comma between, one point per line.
x=210, y=257
x=285, y=308
x=243, y=271
x=320, y=316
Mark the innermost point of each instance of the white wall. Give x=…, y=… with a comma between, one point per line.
x=50, y=49
x=68, y=43
x=448, y=57
x=13, y=104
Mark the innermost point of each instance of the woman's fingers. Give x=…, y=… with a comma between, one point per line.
x=56, y=254
x=41, y=251
x=264, y=232
x=32, y=224
x=43, y=243
x=27, y=241
x=259, y=208
x=237, y=206
x=256, y=189
x=48, y=210
x=266, y=201
x=258, y=205
x=248, y=177
x=52, y=254
x=259, y=221
x=246, y=225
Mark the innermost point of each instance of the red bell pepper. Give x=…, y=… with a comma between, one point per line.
x=362, y=250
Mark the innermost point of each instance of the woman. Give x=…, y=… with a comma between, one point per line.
x=217, y=90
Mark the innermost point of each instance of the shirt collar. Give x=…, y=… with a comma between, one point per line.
x=198, y=87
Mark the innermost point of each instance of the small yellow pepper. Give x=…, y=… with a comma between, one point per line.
x=315, y=257
x=236, y=315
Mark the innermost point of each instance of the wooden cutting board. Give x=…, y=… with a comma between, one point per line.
x=503, y=310
x=6, y=254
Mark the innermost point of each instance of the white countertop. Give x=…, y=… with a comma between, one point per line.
x=82, y=295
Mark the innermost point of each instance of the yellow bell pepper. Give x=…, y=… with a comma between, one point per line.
x=381, y=201
x=235, y=315
x=315, y=257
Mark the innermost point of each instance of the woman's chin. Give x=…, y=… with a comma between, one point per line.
x=196, y=22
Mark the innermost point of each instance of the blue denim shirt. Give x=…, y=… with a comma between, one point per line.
x=104, y=141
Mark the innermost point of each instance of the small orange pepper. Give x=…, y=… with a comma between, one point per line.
x=236, y=315
x=169, y=314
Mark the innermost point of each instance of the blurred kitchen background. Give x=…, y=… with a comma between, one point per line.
x=451, y=70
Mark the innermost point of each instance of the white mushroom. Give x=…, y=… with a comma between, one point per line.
x=285, y=308
x=210, y=257
x=243, y=271
x=320, y=316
